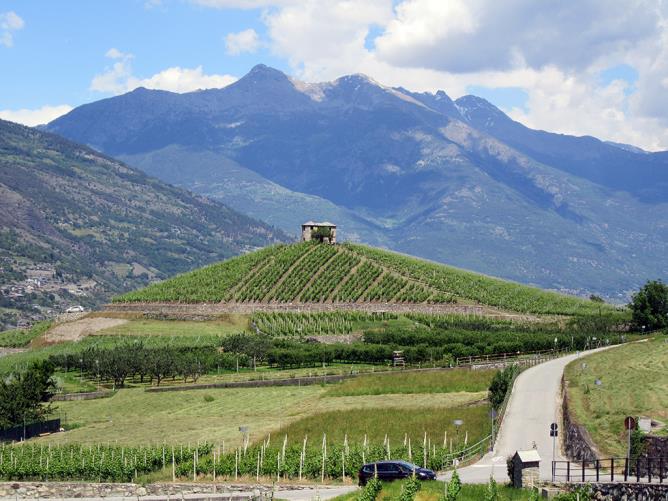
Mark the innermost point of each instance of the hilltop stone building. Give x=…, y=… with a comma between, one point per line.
x=324, y=232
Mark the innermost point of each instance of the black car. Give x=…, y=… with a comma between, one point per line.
x=393, y=470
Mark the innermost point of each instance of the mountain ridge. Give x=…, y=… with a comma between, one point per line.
x=454, y=181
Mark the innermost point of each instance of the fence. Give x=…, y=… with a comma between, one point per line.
x=639, y=470
x=500, y=359
x=29, y=430
x=474, y=451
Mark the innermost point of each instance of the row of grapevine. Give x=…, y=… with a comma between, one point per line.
x=330, y=277
x=386, y=288
x=262, y=283
x=91, y=463
x=413, y=293
x=358, y=282
x=295, y=282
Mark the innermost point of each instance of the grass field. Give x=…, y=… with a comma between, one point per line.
x=230, y=324
x=457, y=380
x=433, y=490
x=396, y=423
x=133, y=416
x=19, y=338
x=634, y=383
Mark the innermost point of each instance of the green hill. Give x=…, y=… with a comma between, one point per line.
x=347, y=273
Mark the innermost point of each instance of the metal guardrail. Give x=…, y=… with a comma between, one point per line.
x=478, y=449
x=640, y=470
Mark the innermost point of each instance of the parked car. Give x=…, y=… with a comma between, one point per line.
x=75, y=309
x=393, y=470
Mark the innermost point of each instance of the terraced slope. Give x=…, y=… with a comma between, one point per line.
x=315, y=273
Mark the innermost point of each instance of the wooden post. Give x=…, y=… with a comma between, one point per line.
x=324, y=457
x=173, y=467
x=343, y=466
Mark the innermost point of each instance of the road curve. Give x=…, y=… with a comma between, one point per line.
x=535, y=403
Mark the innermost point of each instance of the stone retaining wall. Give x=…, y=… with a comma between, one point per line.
x=630, y=492
x=655, y=448
x=258, y=383
x=60, y=490
x=203, y=311
x=577, y=443
x=91, y=395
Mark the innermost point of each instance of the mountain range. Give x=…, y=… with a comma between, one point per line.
x=455, y=181
x=77, y=226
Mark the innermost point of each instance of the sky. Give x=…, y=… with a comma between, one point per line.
x=583, y=67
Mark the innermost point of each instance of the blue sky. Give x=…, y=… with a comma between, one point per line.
x=578, y=67
x=63, y=45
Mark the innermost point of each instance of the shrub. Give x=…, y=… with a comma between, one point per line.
x=452, y=488
x=371, y=490
x=410, y=489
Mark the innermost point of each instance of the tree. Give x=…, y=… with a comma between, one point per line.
x=24, y=397
x=501, y=383
x=650, y=306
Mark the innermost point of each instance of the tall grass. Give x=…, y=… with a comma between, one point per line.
x=396, y=423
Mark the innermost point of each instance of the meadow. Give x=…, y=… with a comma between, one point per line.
x=456, y=380
x=634, y=382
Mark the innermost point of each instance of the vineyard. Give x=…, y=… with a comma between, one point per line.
x=349, y=273
x=316, y=324
x=306, y=458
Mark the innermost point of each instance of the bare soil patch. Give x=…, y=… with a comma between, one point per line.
x=78, y=329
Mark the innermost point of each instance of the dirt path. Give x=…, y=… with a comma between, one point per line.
x=78, y=329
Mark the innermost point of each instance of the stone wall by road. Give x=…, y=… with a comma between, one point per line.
x=630, y=492
x=60, y=490
x=578, y=445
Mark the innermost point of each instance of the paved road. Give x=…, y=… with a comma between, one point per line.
x=535, y=402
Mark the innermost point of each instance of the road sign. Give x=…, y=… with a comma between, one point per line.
x=629, y=423
x=554, y=433
x=554, y=427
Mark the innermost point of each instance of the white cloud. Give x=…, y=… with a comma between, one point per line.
x=555, y=51
x=114, y=53
x=37, y=116
x=178, y=79
x=243, y=41
x=119, y=78
x=475, y=35
x=9, y=23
